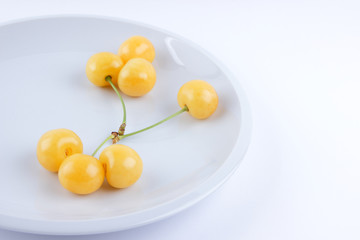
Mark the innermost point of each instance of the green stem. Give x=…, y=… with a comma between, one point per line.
x=184, y=109
x=107, y=139
x=108, y=79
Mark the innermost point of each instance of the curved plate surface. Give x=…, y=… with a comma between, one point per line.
x=44, y=86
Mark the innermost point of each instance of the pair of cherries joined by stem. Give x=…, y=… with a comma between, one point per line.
x=131, y=70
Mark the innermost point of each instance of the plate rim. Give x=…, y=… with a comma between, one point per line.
x=163, y=210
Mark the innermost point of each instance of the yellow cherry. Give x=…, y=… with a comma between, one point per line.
x=200, y=98
x=137, y=77
x=123, y=166
x=55, y=145
x=101, y=65
x=81, y=174
x=137, y=47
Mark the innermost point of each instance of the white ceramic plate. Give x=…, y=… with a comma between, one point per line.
x=44, y=86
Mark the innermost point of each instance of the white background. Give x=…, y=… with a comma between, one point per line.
x=299, y=62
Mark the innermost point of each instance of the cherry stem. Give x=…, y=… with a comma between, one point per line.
x=123, y=124
x=184, y=109
x=107, y=139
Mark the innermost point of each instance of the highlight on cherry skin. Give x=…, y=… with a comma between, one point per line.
x=137, y=77
x=81, y=174
x=200, y=98
x=102, y=65
x=123, y=166
x=56, y=145
x=137, y=47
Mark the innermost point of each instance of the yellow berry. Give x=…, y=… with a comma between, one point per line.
x=137, y=47
x=200, y=98
x=55, y=145
x=123, y=166
x=101, y=65
x=81, y=174
x=137, y=77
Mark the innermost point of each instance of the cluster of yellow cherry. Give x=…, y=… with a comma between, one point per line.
x=131, y=71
